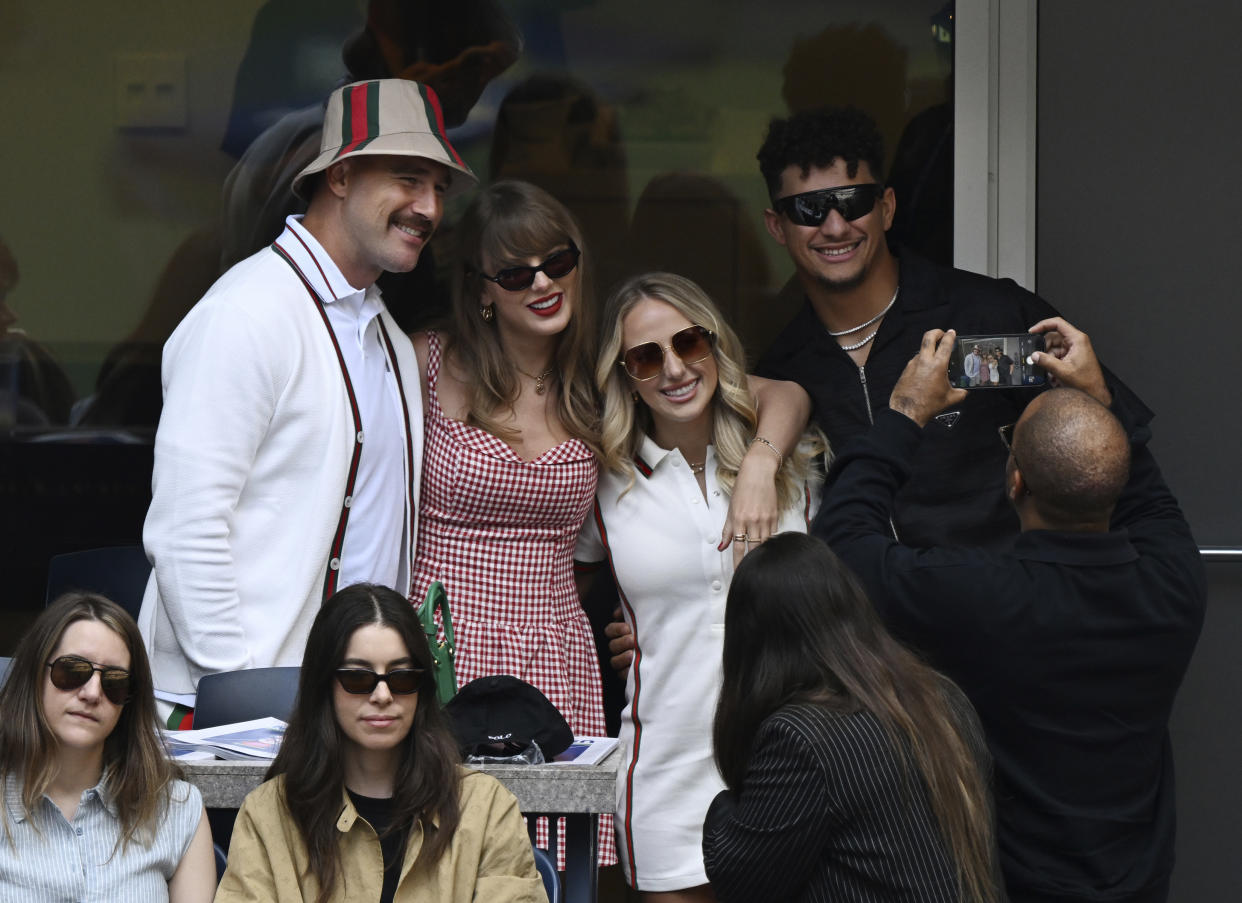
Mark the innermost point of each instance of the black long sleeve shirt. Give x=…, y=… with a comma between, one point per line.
x=1071, y=646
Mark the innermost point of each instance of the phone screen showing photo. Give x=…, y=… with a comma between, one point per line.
x=996, y=361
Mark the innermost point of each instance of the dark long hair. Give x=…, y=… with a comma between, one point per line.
x=139, y=772
x=799, y=628
x=311, y=757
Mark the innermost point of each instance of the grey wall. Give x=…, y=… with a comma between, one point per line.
x=1139, y=191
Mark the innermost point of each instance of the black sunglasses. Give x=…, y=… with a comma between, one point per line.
x=69, y=672
x=811, y=208
x=517, y=279
x=363, y=681
x=692, y=344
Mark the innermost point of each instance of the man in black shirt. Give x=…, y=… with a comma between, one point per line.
x=1071, y=644
x=866, y=311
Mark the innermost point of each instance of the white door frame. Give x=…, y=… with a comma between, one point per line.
x=995, y=43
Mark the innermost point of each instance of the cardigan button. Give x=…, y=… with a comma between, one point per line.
x=359, y=437
x=349, y=501
x=335, y=564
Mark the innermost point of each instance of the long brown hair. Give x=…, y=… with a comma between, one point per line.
x=506, y=223
x=426, y=785
x=138, y=772
x=799, y=628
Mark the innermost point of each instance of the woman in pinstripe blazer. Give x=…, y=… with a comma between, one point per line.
x=854, y=772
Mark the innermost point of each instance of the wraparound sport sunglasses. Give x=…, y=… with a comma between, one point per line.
x=363, y=681
x=811, y=208
x=70, y=672
x=692, y=344
x=518, y=279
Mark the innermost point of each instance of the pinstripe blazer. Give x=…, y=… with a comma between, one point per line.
x=825, y=814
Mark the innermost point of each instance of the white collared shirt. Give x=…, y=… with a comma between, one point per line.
x=374, y=536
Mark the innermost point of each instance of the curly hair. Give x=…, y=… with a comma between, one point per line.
x=814, y=138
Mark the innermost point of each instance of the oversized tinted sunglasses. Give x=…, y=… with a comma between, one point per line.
x=69, y=672
x=363, y=681
x=692, y=344
x=517, y=279
x=811, y=208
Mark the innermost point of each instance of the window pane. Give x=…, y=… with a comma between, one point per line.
x=154, y=148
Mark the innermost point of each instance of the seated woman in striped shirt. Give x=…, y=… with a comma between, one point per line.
x=854, y=771
x=93, y=808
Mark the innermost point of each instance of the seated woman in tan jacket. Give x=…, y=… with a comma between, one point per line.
x=369, y=774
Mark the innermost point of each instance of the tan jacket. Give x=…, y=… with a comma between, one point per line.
x=489, y=860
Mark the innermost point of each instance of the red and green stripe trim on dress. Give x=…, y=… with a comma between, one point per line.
x=636, y=670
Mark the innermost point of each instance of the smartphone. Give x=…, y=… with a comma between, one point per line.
x=996, y=361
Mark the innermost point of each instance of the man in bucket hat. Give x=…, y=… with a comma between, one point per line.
x=288, y=452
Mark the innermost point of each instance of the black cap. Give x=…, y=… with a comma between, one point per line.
x=502, y=715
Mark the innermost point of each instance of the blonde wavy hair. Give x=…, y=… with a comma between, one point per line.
x=506, y=224
x=734, y=418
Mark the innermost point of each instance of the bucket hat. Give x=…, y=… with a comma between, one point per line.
x=389, y=116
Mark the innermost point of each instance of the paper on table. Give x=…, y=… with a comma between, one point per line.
x=586, y=751
x=257, y=739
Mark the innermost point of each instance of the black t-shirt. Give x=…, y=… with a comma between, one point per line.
x=378, y=814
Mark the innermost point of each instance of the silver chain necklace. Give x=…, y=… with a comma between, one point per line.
x=858, y=345
x=862, y=326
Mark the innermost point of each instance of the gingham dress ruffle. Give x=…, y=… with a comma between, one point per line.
x=499, y=533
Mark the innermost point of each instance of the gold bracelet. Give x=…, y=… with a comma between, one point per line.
x=780, y=459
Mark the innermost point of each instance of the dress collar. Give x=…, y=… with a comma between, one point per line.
x=649, y=455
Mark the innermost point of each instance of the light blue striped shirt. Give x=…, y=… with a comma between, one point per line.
x=50, y=859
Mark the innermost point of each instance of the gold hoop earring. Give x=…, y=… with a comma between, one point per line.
x=487, y=313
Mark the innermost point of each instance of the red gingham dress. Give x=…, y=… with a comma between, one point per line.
x=499, y=532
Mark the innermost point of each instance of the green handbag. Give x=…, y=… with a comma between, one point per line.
x=441, y=652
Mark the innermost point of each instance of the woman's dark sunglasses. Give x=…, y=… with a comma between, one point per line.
x=69, y=672
x=811, y=208
x=692, y=344
x=363, y=681
x=517, y=279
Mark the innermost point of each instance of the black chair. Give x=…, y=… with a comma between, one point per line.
x=222, y=861
x=547, y=871
x=244, y=695
x=118, y=572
